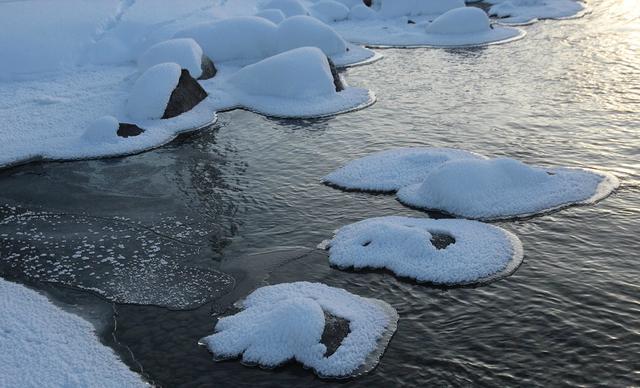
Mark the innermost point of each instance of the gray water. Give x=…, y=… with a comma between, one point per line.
x=568, y=94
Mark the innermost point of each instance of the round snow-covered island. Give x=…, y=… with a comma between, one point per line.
x=389, y=170
x=287, y=322
x=447, y=252
x=505, y=188
x=519, y=12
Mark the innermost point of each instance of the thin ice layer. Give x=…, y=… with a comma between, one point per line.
x=286, y=321
x=389, y=170
x=43, y=345
x=505, y=188
x=476, y=252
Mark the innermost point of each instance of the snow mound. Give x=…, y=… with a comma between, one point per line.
x=389, y=170
x=396, y=8
x=288, y=7
x=505, y=188
x=185, y=52
x=286, y=321
x=476, y=252
x=303, y=31
x=528, y=11
x=296, y=83
x=44, y=345
x=361, y=12
x=104, y=129
x=151, y=92
x=273, y=15
x=329, y=11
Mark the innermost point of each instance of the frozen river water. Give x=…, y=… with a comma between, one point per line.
x=165, y=222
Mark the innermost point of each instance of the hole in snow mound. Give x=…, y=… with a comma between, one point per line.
x=336, y=329
x=466, y=252
x=333, y=332
x=119, y=260
x=441, y=240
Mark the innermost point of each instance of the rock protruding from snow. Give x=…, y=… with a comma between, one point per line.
x=164, y=91
x=273, y=15
x=305, y=31
x=43, y=345
x=528, y=11
x=505, y=188
x=389, y=170
x=129, y=130
x=286, y=322
x=410, y=247
x=185, y=52
x=395, y=8
x=329, y=11
x=187, y=94
x=288, y=7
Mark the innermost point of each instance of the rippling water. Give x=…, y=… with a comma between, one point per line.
x=568, y=94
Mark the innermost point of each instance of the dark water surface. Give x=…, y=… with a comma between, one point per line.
x=568, y=94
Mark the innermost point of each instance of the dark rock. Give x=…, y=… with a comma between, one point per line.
x=410, y=22
x=336, y=329
x=185, y=96
x=337, y=81
x=367, y=2
x=129, y=130
x=441, y=241
x=208, y=68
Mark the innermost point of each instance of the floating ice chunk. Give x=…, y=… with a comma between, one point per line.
x=505, y=188
x=288, y=7
x=274, y=15
x=302, y=31
x=528, y=11
x=244, y=39
x=468, y=26
x=409, y=247
x=286, y=321
x=395, y=8
x=185, y=52
x=295, y=83
x=104, y=129
x=151, y=92
x=389, y=170
x=44, y=345
x=329, y=11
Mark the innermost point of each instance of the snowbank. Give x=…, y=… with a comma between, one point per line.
x=151, y=92
x=396, y=8
x=185, y=52
x=296, y=83
x=43, y=345
x=286, y=321
x=528, y=11
x=248, y=39
x=329, y=11
x=288, y=7
x=273, y=15
x=505, y=188
x=389, y=170
x=477, y=253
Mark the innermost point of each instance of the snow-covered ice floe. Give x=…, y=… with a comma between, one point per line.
x=389, y=170
x=443, y=23
x=504, y=188
x=519, y=12
x=247, y=39
x=296, y=83
x=446, y=251
x=43, y=345
x=286, y=322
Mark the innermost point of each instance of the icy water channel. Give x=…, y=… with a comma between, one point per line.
x=155, y=229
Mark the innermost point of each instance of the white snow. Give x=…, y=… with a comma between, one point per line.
x=329, y=11
x=43, y=345
x=505, y=188
x=273, y=15
x=395, y=8
x=303, y=31
x=361, y=12
x=403, y=245
x=288, y=7
x=528, y=11
x=103, y=129
x=151, y=92
x=390, y=170
x=296, y=83
x=185, y=52
x=285, y=321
